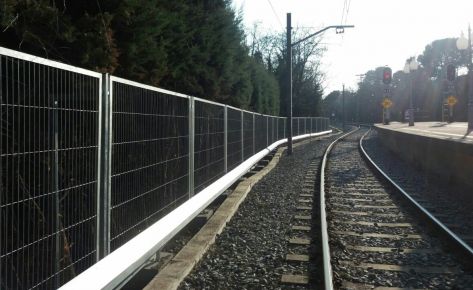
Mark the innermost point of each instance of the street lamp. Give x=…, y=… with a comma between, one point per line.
x=411, y=67
x=289, y=46
x=462, y=44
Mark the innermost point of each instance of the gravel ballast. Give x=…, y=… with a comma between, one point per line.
x=250, y=252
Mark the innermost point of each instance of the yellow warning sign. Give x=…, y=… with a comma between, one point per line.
x=451, y=101
x=387, y=103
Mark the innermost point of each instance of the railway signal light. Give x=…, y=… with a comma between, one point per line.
x=451, y=72
x=387, y=76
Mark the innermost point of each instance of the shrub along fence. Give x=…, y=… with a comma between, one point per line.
x=89, y=160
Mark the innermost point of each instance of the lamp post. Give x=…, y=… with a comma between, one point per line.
x=411, y=67
x=289, y=46
x=462, y=44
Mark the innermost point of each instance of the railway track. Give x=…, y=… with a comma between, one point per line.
x=449, y=203
x=374, y=239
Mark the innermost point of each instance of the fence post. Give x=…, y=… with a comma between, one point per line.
x=225, y=138
x=191, y=145
x=104, y=169
x=242, y=136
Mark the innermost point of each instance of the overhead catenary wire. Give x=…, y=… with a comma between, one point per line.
x=275, y=14
x=348, y=10
x=343, y=11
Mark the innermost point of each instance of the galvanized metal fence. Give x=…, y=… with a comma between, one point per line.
x=88, y=161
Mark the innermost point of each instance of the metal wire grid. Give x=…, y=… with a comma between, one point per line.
x=149, y=162
x=234, y=142
x=295, y=126
x=274, y=137
x=49, y=149
x=261, y=131
x=248, y=141
x=281, y=128
x=269, y=130
x=209, y=159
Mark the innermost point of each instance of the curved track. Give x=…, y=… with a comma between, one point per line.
x=372, y=237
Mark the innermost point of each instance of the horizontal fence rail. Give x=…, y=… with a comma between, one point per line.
x=91, y=161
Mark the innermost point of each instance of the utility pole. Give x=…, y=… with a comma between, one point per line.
x=343, y=107
x=289, y=84
x=290, y=44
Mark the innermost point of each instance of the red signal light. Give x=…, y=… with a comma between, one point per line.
x=387, y=75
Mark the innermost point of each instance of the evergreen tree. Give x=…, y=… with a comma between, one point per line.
x=194, y=47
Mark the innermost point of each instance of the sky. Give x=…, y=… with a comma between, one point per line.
x=385, y=33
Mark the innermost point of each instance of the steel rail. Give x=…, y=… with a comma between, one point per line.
x=328, y=277
x=456, y=241
x=118, y=267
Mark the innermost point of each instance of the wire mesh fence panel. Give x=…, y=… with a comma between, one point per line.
x=49, y=149
x=233, y=138
x=247, y=135
x=149, y=162
x=209, y=144
x=295, y=126
x=275, y=129
x=281, y=128
x=269, y=130
x=260, y=132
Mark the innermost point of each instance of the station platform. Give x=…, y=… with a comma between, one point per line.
x=440, y=149
x=456, y=132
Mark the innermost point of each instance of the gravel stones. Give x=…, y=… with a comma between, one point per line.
x=250, y=252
